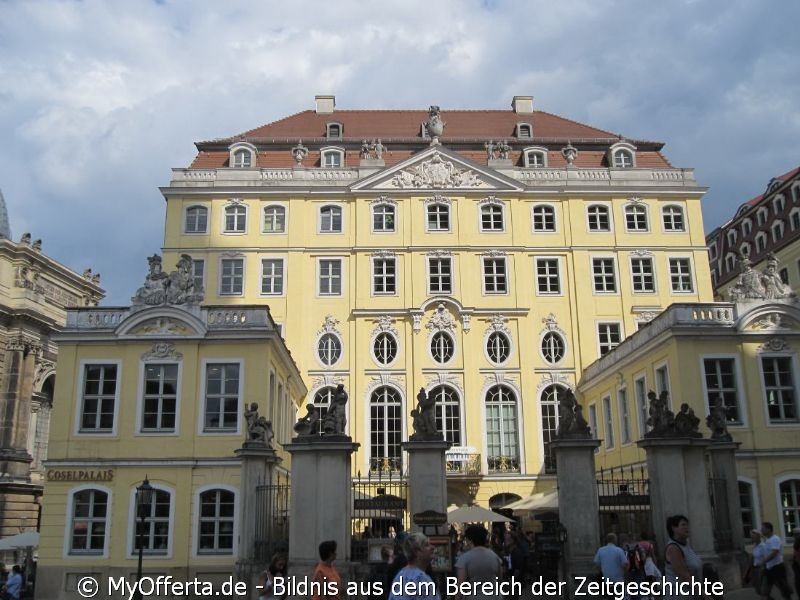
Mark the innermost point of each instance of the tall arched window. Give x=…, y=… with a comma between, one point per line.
x=448, y=413
x=789, y=496
x=196, y=220
x=155, y=533
x=322, y=401
x=89, y=521
x=386, y=417
x=549, y=402
x=502, y=430
x=216, y=522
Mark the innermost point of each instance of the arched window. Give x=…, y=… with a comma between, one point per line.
x=274, y=219
x=329, y=349
x=438, y=217
x=535, y=159
x=544, y=217
x=334, y=131
x=498, y=347
x=235, y=218
x=330, y=219
x=524, y=130
x=448, y=413
x=196, y=220
x=502, y=430
x=598, y=216
x=385, y=348
x=383, y=218
x=789, y=495
x=747, y=503
x=154, y=534
x=332, y=158
x=553, y=347
x=672, y=217
x=386, y=418
x=322, y=401
x=491, y=217
x=242, y=158
x=442, y=346
x=549, y=404
x=623, y=159
x=89, y=521
x=636, y=217
x=216, y=522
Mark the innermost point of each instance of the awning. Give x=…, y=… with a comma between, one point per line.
x=536, y=502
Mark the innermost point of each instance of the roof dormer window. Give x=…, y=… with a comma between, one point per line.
x=777, y=231
x=242, y=155
x=744, y=249
x=732, y=238
x=524, y=130
x=778, y=204
x=761, y=216
x=761, y=242
x=334, y=131
x=622, y=155
x=747, y=227
x=535, y=158
x=332, y=158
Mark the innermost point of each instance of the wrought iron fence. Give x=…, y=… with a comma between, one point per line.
x=623, y=496
x=380, y=512
x=272, y=518
x=723, y=532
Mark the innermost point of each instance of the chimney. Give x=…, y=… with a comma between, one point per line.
x=325, y=104
x=522, y=105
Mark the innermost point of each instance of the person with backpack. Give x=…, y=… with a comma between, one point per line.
x=636, y=559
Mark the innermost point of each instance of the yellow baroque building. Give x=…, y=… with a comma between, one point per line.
x=485, y=256
x=743, y=355
x=158, y=393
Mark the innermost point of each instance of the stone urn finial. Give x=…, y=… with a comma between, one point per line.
x=434, y=125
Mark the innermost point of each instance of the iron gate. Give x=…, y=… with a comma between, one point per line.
x=380, y=512
x=272, y=519
x=623, y=496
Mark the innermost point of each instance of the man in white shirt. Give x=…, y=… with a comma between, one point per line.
x=774, y=569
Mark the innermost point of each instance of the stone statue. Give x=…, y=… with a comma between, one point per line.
x=686, y=422
x=661, y=420
x=335, y=420
x=180, y=285
x=379, y=149
x=424, y=419
x=749, y=285
x=570, y=153
x=365, y=149
x=570, y=417
x=717, y=421
x=773, y=285
x=307, y=425
x=503, y=149
x=25, y=240
x=37, y=245
x=153, y=292
x=489, y=149
x=259, y=429
x=434, y=125
x=299, y=153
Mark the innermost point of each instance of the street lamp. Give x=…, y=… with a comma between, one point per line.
x=144, y=496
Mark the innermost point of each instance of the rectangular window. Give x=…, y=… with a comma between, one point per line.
x=603, y=273
x=274, y=219
x=330, y=277
x=440, y=278
x=491, y=218
x=624, y=418
x=608, y=336
x=642, y=275
x=231, y=281
x=593, y=423
x=89, y=518
x=199, y=273
x=642, y=410
x=222, y=397
x=153, y=530
x=438, y=217
x=216, y=522
x=330, y=219
x=680, y=274
x=160, y=401
x=547, y=280
x=494, y=275
x=235, y=219
x=272, y=276
x=662, y=379
x=383, y=218
x=599, y=219
x=99, y=398
x=384, y=276
x=196, y=219
x=779, y=389
x=608, y=422
x=720, y=378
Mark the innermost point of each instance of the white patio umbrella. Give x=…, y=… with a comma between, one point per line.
x=536, y=502
x=21, y=540
x=475, y=514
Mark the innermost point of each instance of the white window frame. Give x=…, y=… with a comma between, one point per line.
x=688, y=262
x=273, y=259
x=330, y=151
x=509, y=343
x=608, y=423
x=730, y=262
x=500, y=280
x=604, y=274
x=320, y=293
x=653, y=285
x=141, y=393
x=430, y=276
x=747, y=227
x=794, y=219
x=547, y=277
x=233, y=276
x=633, y=210
x=614, y=152
x=641, y=402
x=712, y=251
x=384, y=206
x=332, y=209
x=199, y=264
x=544, y=210
x=741, y=397
x=732, y=236
x=623, y=408
x=660, y=370
x=430, y=347
x=79, y=394
x=535, y=157
x=339, y=343
x=794, y=365
x=69, y=517
x=195, y=542
x=329, y=130
x=447, y=212
x=237, y=217
x=200, y=207
x=609, y=218
x=235, y=151
x=133, y=522
x=398, y=403
x=524, y=131
x=761, y=216
x=593, y=423
x=384, y=276
x=783, y=478
x=755, y=497
x=761, y=242
x=558, y=335
x=373, y=341
x=264, y=210
x=203, y=400
x=778, y=204
x=493, y=210
x=520, y=433
x=744, y=249
x=600, y=344
x=673, y=218
x=778, y=229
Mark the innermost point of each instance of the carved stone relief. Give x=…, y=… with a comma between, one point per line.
x=385, y=324
x=163, y=350
x=441, y=320
x=436, y=172
x=498, y=323
x=329, y=325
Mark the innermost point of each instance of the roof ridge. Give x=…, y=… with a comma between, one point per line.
x=287, y=117
x=616, y=135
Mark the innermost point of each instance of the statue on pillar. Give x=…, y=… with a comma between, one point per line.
x=686, y=422
x=424, y=419
x=334, y=421
x=307, y=425
x=661, y=420
x=717, y=422
x=570, y=417
x=259, y=429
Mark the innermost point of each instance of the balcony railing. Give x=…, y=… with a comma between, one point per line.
x=503, y=464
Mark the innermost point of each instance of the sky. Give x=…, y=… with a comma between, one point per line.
x=100, y=99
